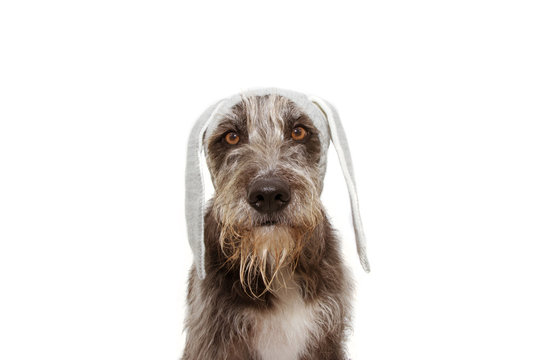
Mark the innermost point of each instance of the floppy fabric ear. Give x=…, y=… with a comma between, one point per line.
x=195, y=187
x=337, y=134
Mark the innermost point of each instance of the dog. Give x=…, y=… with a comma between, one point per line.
x=275, y=286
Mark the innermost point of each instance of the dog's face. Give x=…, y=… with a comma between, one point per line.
x=264, y=160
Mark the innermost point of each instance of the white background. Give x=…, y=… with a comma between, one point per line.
x=441, y=101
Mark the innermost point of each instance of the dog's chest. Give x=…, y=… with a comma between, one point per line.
x=285, y=332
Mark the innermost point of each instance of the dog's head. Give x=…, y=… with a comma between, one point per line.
x=266, y=152
x=264, y=157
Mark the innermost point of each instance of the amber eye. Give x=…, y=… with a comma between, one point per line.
x=232, y=138
x=298, y=133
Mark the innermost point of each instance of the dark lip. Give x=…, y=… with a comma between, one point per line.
x=269, y=223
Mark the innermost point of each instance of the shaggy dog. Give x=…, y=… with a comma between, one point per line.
x=275, y=285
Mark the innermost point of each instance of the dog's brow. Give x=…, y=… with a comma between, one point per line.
x=228, y=124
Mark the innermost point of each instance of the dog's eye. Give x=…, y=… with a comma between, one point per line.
x=232, y=138
x=298, y=133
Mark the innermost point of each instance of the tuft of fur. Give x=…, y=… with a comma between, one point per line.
x=277, y=291
x=262, y=252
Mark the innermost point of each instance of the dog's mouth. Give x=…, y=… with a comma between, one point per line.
x=269, y=223
x=269, y=220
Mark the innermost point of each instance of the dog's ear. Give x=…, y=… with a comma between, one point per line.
x=194, y=200
x=337, y=135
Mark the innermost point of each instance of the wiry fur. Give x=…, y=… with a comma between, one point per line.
x=276, y=291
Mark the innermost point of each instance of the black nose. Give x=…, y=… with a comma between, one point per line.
x=268, y=195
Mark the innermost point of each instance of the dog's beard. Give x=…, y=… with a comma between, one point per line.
x=266, y=255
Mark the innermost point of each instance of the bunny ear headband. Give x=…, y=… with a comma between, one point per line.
x=324, y=117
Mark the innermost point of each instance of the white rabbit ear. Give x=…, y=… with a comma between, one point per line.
x=195, y=187
x=337, y=135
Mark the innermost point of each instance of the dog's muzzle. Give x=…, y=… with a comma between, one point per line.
x=269, y=195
